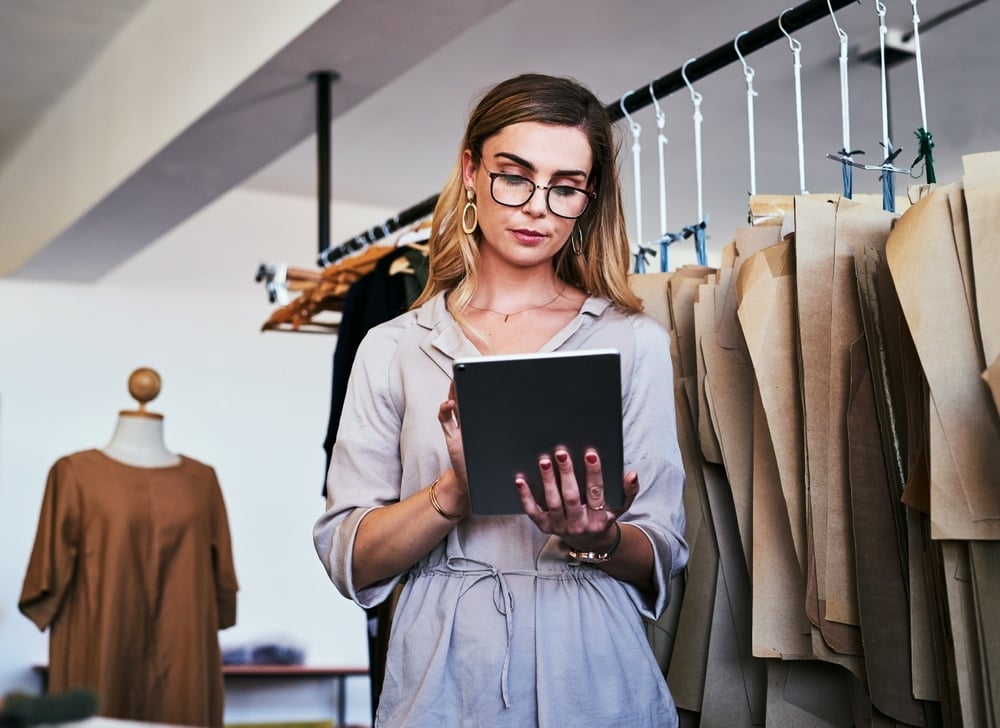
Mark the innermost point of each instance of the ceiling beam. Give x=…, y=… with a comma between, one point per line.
x=167, y=66
x=105, y=174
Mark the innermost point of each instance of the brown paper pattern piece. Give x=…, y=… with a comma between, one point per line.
x=984, y=556
x=743, y=692
x=922, y=666
x=729, y=391
x=766, y=312
x=924, y=265
x=858, y=225
x=688, y=665
x=882, y=596
x=815, y=228
x=748, y=241
x=705, y=323
x=964, y=632
x=982, y=198
x=992, y=378
x=781, y=628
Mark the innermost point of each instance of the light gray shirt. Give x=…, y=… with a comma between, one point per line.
x=495, y=627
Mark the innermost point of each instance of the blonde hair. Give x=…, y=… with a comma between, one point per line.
x=602, y=267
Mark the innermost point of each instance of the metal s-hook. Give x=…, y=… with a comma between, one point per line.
x=793, y=44
x=633, y=124
x=747, y=70
x=660, y=116
x=695, y=96
x=840, y=31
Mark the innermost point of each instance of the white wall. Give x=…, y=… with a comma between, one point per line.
x=253, y=405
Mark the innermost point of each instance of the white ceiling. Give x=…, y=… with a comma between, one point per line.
x=394, y=143
x=44, y=44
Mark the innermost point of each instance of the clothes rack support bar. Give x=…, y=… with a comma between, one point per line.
x=761, y=36
x=407, y=217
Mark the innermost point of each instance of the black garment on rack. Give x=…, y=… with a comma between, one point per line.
x=371, y=300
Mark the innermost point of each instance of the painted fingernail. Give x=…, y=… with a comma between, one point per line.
x=545, y=464
x=562, y=456
x=591, y=458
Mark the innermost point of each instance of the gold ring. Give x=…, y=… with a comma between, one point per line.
x=597, y=508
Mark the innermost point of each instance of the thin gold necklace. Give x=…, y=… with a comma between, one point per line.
x=529, y=308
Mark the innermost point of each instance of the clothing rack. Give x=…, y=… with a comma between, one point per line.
x=794, y=19
x=407, y=217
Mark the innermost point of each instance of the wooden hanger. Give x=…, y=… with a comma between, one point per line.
x=320, y=301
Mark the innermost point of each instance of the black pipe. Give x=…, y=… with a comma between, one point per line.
x=324, y=116
x=763, y=35
x=707, y=64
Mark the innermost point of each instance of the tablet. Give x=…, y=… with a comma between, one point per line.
x=513, y=409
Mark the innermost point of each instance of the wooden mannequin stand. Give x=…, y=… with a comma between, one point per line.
x=138, y=437
x=144, y=386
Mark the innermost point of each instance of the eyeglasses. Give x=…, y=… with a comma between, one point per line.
x=513, y=190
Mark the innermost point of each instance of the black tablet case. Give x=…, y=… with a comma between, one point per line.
x=512, y=409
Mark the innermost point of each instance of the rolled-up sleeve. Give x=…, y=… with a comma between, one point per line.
x=365, y=471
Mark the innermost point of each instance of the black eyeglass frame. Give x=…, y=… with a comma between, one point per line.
x=591, y=194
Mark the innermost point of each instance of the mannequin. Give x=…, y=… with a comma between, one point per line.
x=138, y=437
x=132, y=573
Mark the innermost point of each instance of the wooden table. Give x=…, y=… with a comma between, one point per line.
x=283, y=672
x=296, y=672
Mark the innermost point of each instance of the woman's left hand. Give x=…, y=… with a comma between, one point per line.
x=584, y=524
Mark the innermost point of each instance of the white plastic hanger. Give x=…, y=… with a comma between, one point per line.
x=661, y=140
x=796, y=48
x=636, y=168
x=845, y=156
x=699, y=228
x=748, y=74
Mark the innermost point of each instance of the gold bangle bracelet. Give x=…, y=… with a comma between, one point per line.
x=597, y=557
x=437, y=506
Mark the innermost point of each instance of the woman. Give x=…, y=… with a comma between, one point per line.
x=497, y=625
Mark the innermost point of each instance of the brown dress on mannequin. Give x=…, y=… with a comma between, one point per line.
x=132, y=571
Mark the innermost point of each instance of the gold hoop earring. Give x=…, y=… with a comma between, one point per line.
x=576, y=241
x=470, y=204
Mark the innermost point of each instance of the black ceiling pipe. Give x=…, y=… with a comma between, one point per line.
x=324, y=117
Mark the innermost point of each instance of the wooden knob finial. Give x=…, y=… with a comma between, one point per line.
x=144, y=385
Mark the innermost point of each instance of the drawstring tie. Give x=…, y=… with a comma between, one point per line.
x=503, y=600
